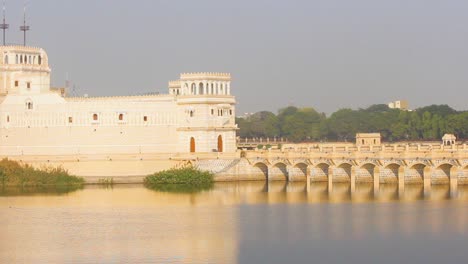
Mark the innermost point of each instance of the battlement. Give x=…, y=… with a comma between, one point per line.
x=20, y=48
x=205, y=76
x=174, y=84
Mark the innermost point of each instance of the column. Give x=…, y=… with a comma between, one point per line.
x=353, y=179
x=330, y=179
x=454, y=182
x=427, y=181
x=401, y=181
x=376, y=181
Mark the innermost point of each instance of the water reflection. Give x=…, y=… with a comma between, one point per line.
x=245, y=222
x=319, y=192
x=38, y=190
x=180, y=188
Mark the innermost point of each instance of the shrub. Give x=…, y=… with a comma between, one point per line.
x=13, y=173
x=187, y=179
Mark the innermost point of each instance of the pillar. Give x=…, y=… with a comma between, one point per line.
x=376, y=178
x=330, y=179
x=427, y=181
x=454, y=182
x=401, y=181
x=353, y=179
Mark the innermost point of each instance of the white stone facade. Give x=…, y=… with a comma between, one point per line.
x=197, y=115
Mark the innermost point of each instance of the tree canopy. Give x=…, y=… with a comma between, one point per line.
x=306, y=124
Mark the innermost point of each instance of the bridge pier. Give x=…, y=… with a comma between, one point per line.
x=427, y=181
x=453, y=182
x=376, y=179
x=401, y=181
x=353, y=180
x=330, y=179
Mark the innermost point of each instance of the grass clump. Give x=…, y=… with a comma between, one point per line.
x=184, y=180
x=13, y=173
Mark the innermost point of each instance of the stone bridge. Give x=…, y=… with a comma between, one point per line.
x=398, y=164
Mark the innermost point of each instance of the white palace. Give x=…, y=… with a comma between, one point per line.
x=197, y=114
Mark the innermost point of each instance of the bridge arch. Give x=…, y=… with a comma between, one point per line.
x=298, y=172
x=260, y=171
x=442, y=174
x=366, y=173
x=390, y=173
x=278, y=172
x=342, y=173
x=320, y=172
x=416, y=173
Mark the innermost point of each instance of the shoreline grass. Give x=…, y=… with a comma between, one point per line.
x=16, y=174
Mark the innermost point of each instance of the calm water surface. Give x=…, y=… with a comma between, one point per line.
x=254, y=222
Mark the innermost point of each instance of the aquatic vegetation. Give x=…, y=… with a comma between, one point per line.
x=181, y=180
x=13, y=173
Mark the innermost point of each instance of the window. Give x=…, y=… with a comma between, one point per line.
x=70, y=119
x=120, y=117
x=8, y=118
x=95, y=117
x=6, y=59
x=230, y=111
x=212, y=111
x=29, y=105
x=39, y=60
x=16, y=83
x=28, y=85
x=145, y=119
x=191, y=113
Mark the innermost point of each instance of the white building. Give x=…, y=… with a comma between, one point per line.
x=197, y=115
x=400, y=104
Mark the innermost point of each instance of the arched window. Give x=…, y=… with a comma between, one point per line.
x=39, y=60
x=120, y=117
x=25, y=59
x=6, y=59
x=16, y=59
x=194, y=88
x=191, y=113
x=221, y=90
x=200, y=88
x=212, y=111
x=29, y=105
x=212, y=88
x=95, y=117
x=21, y=59
x=8, y=119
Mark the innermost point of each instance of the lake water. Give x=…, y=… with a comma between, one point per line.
x=254, y=222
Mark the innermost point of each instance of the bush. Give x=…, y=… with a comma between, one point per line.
x=186, y=179
x=13, y=173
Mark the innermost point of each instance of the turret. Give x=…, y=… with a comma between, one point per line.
x=23, y=70
x=205, y=83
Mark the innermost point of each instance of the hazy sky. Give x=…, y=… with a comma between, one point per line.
x=326, y=54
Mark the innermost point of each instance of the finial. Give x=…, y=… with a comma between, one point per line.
x=4, y=26
x=24, y=27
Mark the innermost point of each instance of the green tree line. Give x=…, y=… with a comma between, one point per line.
x=306, y=124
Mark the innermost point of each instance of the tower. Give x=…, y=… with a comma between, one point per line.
x=207, y=112
x=24, y=70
